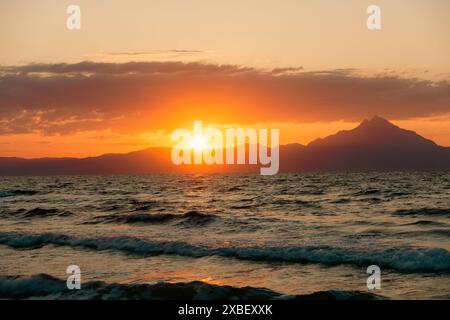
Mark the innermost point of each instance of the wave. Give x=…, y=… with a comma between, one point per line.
x=366, y=192
x=43, y=286
x=426, y=223
x=144, y=205
x=428, y=233
x=296, y=202
x=402, y=259
x=36, y=213
x=243, y=206
x=341, y=200
x=423, y=211
x=190, y=217
x=398, y=194
x=12, y=193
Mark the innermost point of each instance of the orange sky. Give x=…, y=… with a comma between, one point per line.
x=93, y=143
x=309, y=68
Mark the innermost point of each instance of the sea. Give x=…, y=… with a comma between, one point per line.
x=226, y=236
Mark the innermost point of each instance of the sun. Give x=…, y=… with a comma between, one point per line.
x=198, y=143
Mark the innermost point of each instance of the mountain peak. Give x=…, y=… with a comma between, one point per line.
x=376, y=122
x=375, y=132
x=378, y=118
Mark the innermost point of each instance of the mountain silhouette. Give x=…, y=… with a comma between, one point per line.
x=374, y=145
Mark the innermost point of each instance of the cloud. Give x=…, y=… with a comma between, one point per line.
x=137, y=96
x=152, y=55
x=286, y=70
x=138, y=53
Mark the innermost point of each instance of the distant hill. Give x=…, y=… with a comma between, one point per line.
x=375, y=145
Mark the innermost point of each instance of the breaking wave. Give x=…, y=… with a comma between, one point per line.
x=401, y=259
x=43, y=286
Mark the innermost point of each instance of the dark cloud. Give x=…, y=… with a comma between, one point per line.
x=120, y=69
x=135, y=95
x=286, y=70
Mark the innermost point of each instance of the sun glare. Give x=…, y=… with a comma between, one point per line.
x=198, y=143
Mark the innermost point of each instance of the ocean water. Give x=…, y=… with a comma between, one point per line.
x=226, y=236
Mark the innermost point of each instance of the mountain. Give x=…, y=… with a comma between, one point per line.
x=372, y=133
x=375, y=145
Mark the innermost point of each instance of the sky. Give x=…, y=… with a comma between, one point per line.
x=138, y=69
